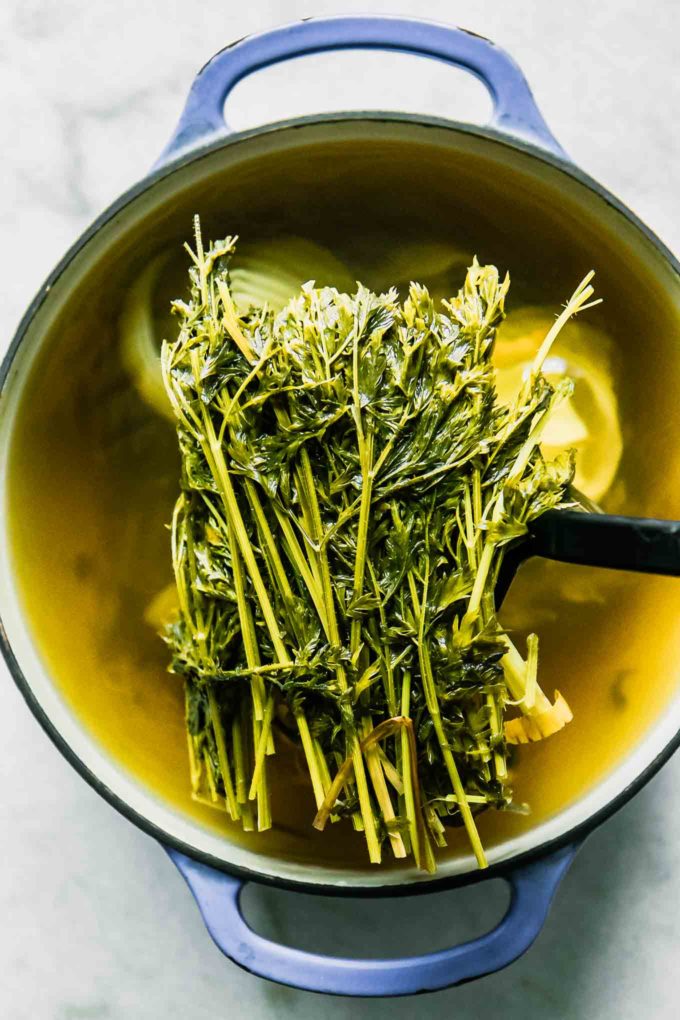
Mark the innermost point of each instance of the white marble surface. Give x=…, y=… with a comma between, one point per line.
x=95, y=923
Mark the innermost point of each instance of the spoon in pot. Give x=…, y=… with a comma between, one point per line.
x=591, y=538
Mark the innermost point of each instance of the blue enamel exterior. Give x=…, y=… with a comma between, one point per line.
x=514, y=107
x=534, y=884
x=218, y=896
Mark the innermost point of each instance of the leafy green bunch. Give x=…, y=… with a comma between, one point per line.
x=349, y=486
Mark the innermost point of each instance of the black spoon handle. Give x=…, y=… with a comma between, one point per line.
x=603, y=540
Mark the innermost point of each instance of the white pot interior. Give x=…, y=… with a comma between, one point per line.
x=371, y=184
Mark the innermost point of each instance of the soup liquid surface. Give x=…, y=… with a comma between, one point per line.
x=93, y=478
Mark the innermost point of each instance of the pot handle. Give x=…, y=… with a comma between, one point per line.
x=218, y=895
x=514, y=108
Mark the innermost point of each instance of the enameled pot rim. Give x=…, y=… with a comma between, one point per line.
x=194, y=155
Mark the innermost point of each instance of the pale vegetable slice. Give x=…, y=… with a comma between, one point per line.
x=272, y=272
x=527, y=728
x=163, y=608
x=435, y=264
x=266, y=273
x=539, y=717
x=589, y=421
x=140, y=343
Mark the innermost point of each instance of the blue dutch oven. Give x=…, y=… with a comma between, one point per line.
x=202, y=159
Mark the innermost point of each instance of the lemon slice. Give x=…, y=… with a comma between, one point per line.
x=589, y=421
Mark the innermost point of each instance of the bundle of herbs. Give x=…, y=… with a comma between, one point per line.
x=349, y=486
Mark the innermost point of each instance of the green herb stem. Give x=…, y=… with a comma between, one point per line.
x=349, y=485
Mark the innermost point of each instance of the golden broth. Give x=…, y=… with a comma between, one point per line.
x=93, y=476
